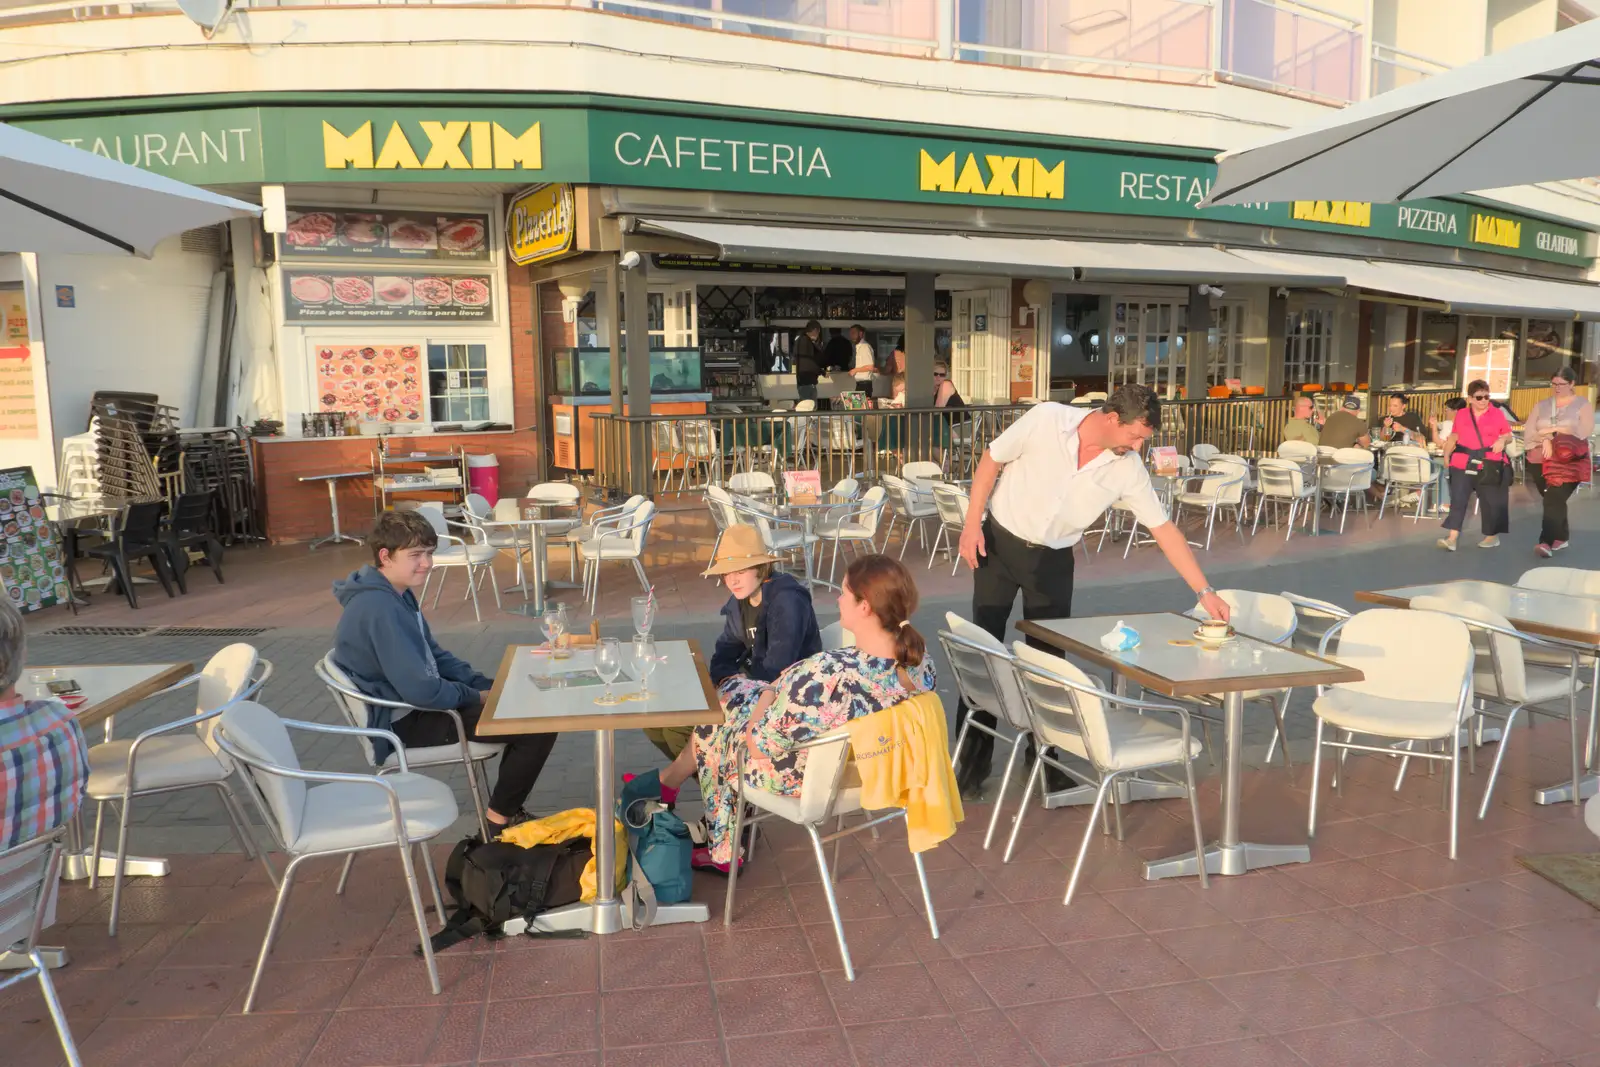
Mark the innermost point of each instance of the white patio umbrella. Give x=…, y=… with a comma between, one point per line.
x=1528, y=114
x=58, y=198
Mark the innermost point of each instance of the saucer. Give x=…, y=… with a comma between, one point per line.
x=1212, y=642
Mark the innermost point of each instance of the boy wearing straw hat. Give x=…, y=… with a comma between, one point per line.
x=768, y=622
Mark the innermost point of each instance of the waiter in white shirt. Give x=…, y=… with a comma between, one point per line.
x=865, y=367
x=1059, y=468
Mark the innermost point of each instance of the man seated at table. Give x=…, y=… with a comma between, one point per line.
x=1304, y=426
x=1346, y=428
x=44, y=760
x=1402, y=425
x=383, y=643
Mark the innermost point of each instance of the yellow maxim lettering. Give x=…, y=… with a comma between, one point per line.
x=397, y=153
x=444, y=146
x=454, y=145
x=526, y=151
x=1490, y=230
x=1009, y=176
x=1334, y=212
x=339, y=151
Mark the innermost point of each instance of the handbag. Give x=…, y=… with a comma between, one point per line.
x=1479, y=468
x=658, y=840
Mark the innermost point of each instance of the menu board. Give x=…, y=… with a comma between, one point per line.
x=330, y=232
x=379, y=383
x=339, y=296
x=31, y=570
x=1492, y=360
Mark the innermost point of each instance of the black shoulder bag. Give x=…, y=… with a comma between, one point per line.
x=1479, y=469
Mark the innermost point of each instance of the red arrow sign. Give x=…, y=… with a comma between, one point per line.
x=13, y=353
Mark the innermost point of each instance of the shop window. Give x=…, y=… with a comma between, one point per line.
x=1225, y=343
x=1307, y=345
x=1437, y=350
x=458, y=382
x=1147, y=345
x=1077, y=349
x=1546, y=351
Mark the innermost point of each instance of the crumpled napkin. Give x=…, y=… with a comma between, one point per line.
x=1120, y=638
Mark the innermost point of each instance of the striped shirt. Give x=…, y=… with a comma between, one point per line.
x=44, y=766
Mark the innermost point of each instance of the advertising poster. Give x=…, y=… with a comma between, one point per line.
x=325, y=232
x=31, y=571
x=340, y=296
x=379, y=383
x=19, y=411
x=1493, y=360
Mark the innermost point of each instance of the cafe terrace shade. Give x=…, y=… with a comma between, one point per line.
x=1524, y=115
x=59, y=199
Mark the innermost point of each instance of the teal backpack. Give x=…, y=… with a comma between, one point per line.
x=657, y=838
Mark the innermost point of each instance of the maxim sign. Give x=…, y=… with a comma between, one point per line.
x=1014, y=176
x=459, y=145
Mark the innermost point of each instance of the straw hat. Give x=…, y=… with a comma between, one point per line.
x=741, y=549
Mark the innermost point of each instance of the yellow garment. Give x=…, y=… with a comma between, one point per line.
x=564, y=826
x=903, y=756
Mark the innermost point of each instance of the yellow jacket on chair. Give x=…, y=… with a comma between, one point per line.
x=903, y=756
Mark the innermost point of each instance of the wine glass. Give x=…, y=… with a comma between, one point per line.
x=554, y=622
x=608, y=664
x=644, y=614
x=644, y=661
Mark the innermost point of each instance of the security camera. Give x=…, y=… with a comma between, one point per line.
x=1212, y=290
x=629, y=260
x=1282, y=292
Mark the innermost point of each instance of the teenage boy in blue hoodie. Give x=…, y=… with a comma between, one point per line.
x=385, y=646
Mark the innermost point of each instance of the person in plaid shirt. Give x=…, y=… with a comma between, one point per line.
x=44, y=762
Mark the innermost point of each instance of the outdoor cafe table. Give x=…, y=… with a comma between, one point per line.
x=1566, y=618
x=110, y=688
x=1168, y=660
x=681, y=695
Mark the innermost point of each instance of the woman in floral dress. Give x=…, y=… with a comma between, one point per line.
x=811, y=698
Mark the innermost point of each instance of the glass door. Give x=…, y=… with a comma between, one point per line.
x=1147, y=345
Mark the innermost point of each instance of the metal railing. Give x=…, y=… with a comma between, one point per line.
x=1159, y=40
x=1394, y=67
x=1293, y=48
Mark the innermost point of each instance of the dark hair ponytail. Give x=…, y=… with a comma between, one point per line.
x=887, y=588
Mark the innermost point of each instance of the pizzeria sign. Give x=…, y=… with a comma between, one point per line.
x=395, y=296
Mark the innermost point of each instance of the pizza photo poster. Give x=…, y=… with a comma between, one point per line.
x=328, y=232
x=31, y=569
x=360, y=296
x=379, y=383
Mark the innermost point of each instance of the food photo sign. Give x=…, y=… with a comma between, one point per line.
x=334, y=295
x=380, y=383
x=327, y=232
x=31, y=571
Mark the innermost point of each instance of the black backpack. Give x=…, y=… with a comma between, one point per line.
x=490, y=884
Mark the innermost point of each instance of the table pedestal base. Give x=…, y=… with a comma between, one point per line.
x=1588, y=786
x=53, y=958
x=75, y=866
x=338, y=535
x=1227, y=859
x=1128, y=791
x=614, y=917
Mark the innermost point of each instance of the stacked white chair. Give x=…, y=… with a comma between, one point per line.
x=174, y=756
x=311, y=814
x=1417, y=669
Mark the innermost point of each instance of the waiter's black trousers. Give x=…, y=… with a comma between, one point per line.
x=1044, y=577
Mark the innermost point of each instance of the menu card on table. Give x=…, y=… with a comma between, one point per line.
x=1164, y=459
x=802, y=487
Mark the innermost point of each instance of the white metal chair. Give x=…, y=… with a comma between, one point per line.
x=472, y=756
x=585, y=529
x=1406, y=469
x=1222, y=487
x=340, y=815
x=556, y=533
x=921, y=471
x=909, y=507
x=1299, y=451
x=474, y=555
x=1349, y=475
x=621, y=538
x=844, y=491
x=500, y=532
x=986, y=681
x=1119, y=736
x=1417, y=688
x=28, y=876
x=1204, y=452
x=1504, y=679
x=174, y=756
x=753, y=483
x=1571, y=581
x=855, y=524
x=724, y=512
x=1266, y=617
x=1280, y=482
x=1313, y=619
x=698, y=440
x=950, y=502
x=829, y=790
x=780, y=535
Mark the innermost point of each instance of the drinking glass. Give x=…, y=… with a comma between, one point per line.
x=644, y=661
x=554, y=622
x=644, y=614
x=608, y=664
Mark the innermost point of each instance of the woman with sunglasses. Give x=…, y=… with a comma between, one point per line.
x=1476, y=446
x=1562, y=419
